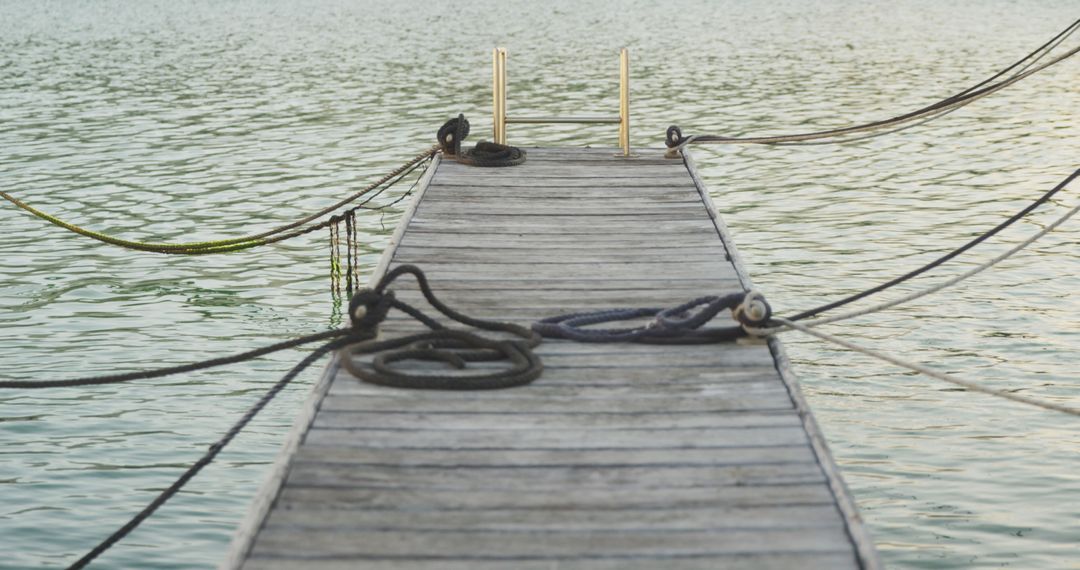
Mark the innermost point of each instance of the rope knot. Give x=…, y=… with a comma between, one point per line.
x=368, y=308
x=451, y=134
x=673, y=137
x=753, y=313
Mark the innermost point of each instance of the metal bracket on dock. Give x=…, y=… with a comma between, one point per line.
x=501, y=119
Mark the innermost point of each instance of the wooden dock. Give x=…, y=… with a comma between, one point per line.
x=620, y=456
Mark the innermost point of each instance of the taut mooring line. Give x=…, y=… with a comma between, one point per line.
x=780, y=324
x=974, y=386
x=209, y=456
x=168, y=371
x=676, y=141
x=952, y=254
x=274, y=235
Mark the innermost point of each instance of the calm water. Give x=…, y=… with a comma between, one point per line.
x=189, y=120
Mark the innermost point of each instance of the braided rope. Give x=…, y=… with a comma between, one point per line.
x=1045, y=48
x=932, y=289
x=453, y=347
x=974, y=386
x=231, y=244
x=485, y=154
x=682, y=324
x=944, y=258
x=936, y=110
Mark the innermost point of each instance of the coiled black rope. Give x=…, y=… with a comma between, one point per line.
x=487, y=154
x=682, y=324
x=675, y=138
x=455, y=348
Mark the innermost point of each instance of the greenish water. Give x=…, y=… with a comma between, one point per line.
x=192, y=120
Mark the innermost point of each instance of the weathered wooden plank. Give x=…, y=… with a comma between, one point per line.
x=562, y=161
x=592, y=299
x=687, y=438
x=538, y=163
x=567, y=182
x=534, y=257
x=525, y=421
x=708, y=269
x=580, y=363
x=554, y=255
x=561, y=500
x=494, y=211
x=488, y=285
x=563, y=240
x=483, y=198
x=537, y=478
x=596, y=197
x=745, y=561
x=542, y=231
x=659, y=223
x=740, y=561
x=766, y=401
x=717, y=519
x=545, y=545
x=556, y=171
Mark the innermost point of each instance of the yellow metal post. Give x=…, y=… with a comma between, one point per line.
x=495, y=94
x=498, y=94
x=624, y=101
x=502, y=93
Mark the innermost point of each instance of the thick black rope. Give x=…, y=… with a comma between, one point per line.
x=168, y=371
x=210, y=454
x=487, y=154
x=682, y=324
x=674, y=136
x=944, y=258
x=455, y=348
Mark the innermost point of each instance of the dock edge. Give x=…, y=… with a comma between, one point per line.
x=244, y=536
x=866, y=553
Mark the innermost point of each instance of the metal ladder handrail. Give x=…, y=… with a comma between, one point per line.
x=501, y=119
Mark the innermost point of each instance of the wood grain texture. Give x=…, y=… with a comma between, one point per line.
x=619, y=456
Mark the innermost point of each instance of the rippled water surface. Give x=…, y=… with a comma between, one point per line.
x=190, y=120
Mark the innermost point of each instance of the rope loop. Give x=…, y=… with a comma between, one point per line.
x=368, y=308
x=451, y=134
x=681, y=324
x=492, y=154
x=754, y=311
x=373, y=360
x=1018, y=71
x=673, y=137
